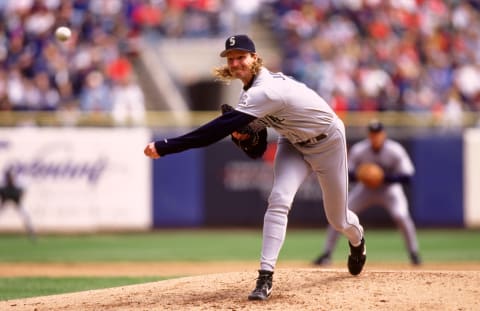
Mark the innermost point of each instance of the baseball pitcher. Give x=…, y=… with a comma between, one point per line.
x=311, y=138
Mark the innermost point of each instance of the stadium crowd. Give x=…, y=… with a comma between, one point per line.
x=401, y=55
x=361, y=55
x=91, y=72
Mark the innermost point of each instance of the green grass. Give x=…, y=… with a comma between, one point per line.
x=23, y=287
x=228, y=245
x=388, y=246
x=190, y=245
x=205, y=245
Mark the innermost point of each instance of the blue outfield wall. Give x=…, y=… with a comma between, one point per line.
x=178, y=190
x=220, y=186
x=437, y=193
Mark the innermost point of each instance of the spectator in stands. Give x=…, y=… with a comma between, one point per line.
x=410, y=53
x=244, y=14
x=128, y=102
x=44, y=74
x=96, y=95
x=417, y=50
x=47, y=97
x=16, y=91
x=452, y=117
x=4, y=101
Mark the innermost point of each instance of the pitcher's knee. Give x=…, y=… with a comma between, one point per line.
x=280, y=199
x=340, y=227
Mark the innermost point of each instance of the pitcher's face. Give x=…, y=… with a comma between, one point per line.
x=240, y=64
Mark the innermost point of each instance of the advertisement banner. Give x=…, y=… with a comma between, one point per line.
x=79, y=179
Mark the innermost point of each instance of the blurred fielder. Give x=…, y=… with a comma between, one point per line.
x=380, y=166
x=11, y=191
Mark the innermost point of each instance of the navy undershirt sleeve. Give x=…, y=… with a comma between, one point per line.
x=205, y=135
x=352, y=176
x=400, y=178
x=388, y=178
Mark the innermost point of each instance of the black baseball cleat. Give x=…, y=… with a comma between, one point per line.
x=357, y=258
x=324, y=260
x=263, y=288
x=415, y=259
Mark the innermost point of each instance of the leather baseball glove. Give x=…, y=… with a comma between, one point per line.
x=255, y=145
x=370, y=174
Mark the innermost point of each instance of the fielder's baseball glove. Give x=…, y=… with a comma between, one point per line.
x=256, y=143
x=370, y=174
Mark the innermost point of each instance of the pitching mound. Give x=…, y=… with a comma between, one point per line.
x=294, y=289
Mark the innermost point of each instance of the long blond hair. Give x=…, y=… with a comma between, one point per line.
x=223, y=74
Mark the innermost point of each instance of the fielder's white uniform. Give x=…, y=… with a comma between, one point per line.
x=394, y=160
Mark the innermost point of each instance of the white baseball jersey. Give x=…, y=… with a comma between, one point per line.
x=312, y=139
x=394, y=160
x=299, y=114
x=392, y=157
x=290, y=107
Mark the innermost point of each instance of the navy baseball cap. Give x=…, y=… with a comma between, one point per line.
x=375, y=126
x=238, y=42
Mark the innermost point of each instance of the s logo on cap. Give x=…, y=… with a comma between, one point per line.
x=238, y=42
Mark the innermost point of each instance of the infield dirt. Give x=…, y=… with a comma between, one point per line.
x=225, y=286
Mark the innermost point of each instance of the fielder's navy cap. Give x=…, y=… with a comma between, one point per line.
x=375, y=126
x=238, y=42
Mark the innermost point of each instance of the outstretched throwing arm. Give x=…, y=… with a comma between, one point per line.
x=203, y=136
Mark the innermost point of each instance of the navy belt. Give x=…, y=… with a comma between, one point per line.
x=313, y=140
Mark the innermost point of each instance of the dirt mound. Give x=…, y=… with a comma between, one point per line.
x=294, y=289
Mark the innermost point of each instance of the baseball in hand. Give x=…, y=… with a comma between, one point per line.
x=63, y=33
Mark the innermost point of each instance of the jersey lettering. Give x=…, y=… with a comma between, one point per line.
x=280, y=75
x=277, y=75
